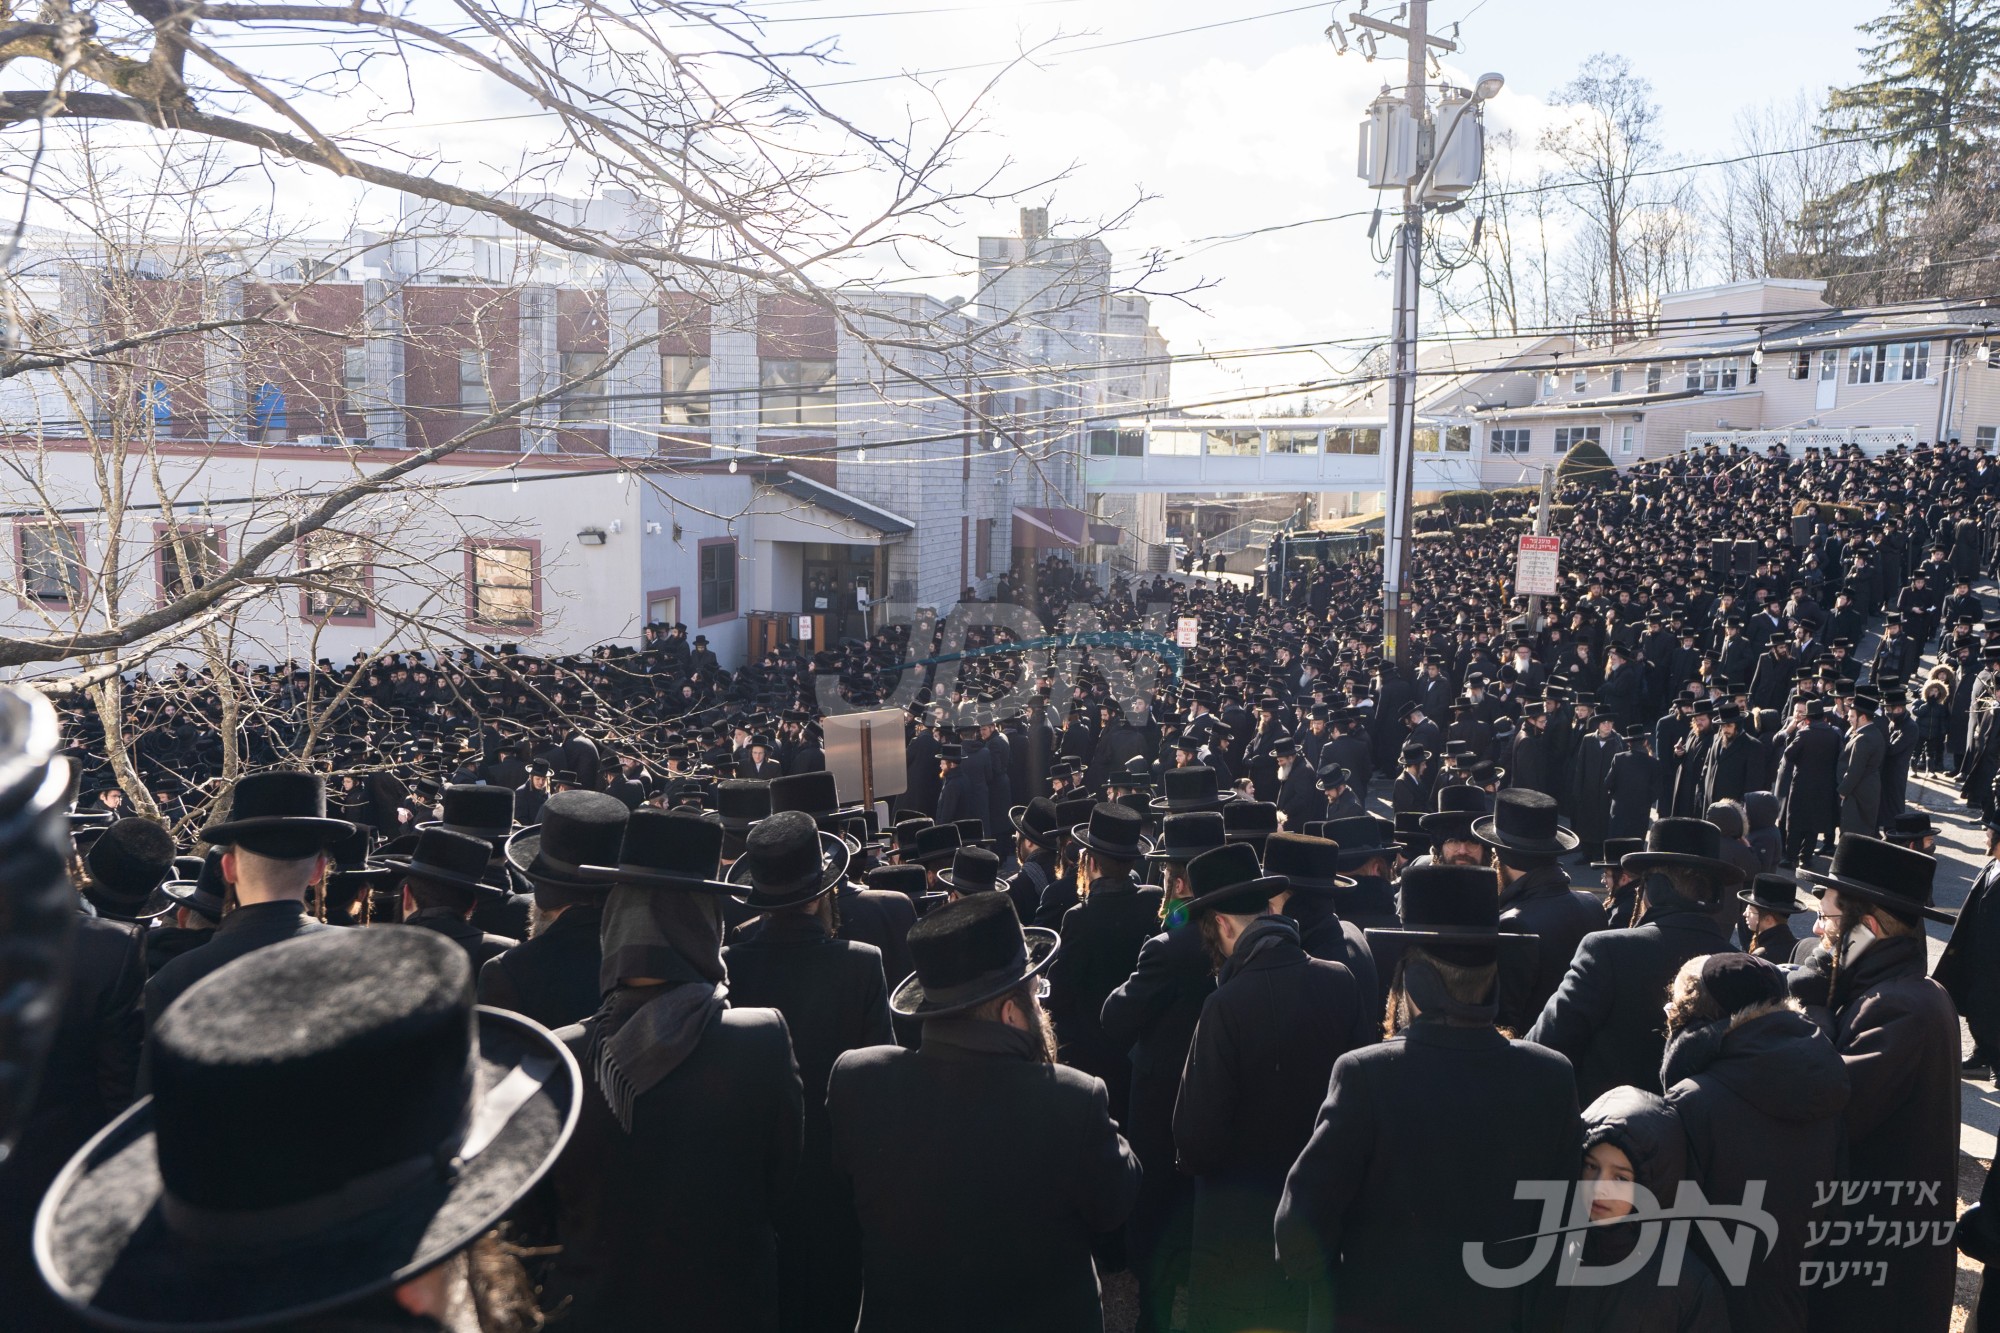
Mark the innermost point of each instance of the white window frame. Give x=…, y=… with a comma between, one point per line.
x=1569, y=436
x=1627, y=436
x=1509, y=439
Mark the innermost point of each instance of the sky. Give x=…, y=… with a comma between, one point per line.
x=1191, y=121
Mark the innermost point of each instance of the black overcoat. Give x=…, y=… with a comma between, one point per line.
x=1542, y=903
x=552, y=977
x=1101, y=937
x=882, y=918
x=1635, y=786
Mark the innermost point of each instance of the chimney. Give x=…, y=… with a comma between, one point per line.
x=1034, y=224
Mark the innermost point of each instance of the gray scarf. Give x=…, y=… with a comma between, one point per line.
x=644, y=1033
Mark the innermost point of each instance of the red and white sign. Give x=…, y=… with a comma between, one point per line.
x=1187, y=631
x=1535, y=566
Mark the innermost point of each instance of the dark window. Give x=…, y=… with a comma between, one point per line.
x=796, y=393
x=718, y=580
x=503, y=585
x=204, y=555
x=51, y=563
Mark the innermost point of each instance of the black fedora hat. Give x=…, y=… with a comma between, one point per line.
x=815, y=794
x=935, y=845
x=1249, y=821
x=1186, y=836
x=1898, y=878
x=665, y=849
x=127, y=861
x=1306, y=863
x=1524, y=820
x=1114, y=830
x=476, y=810
x=1448, y=905
x=1189, y=788
x=1230, y=880
x=456, y=860
x=741, y=802
x=787, y=860
x=972, y=833
x=1073, y=811
x=968, y=952
x=1036, y=821
x=578, y=828
x=1361, y=838
x=972, y=870
x=207, y=893
x=1778, y=894
x=1457, y=807
x=1615, y=851
x=280, y=813
x=910, y=881
x=1693, y=844
x=198, y=1208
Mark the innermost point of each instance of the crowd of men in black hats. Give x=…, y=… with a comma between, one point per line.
x=579, y=993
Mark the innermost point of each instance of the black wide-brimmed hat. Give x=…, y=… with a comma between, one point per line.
x=1777, y=894
x=935, y=845
x=199, y=1209
x=904, y=832
x=1615, y=852
x=1361, y=837
x=1115, y=831
x=1249, y=821
x=578, y=828
x=1190, y=788
x=968, y=952
x=815, y=794
x=280, y=813
x=664, y=849
x=1036, y=821
x=1186, y=836
x=478, y=811
x=456, y=860
x=787, y=860
x=972, y=870
x=910, y=881
x=1693, y=844
x=207, y=893
x=1898, y=878
x=1524, y=820
x=741, y=802
x=127, y=861
x=1230, y=880
x=1307, y=863
x=1453, y=907
x=1457, y=807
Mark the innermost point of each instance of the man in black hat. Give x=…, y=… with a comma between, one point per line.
x=551, y=977
x=276, y=840
x=441, y=879
x=688, y=1141
x=834, y=999
x=278, y=1179
x=1605, y=1016
x=1153, y=1014
x=1860, y=772
x=1807, y=785
x=1257, y=1071
x=1897, y=1032
x=1528, y=845
x=1447, y=1110
x=1969, y=970
x=1311, y=869
x=980, y=1168
x=1101, y=936
x=1368, y=851
x=1735, y=760
x=125, y=863
x=532, y=794
x=1037, y=833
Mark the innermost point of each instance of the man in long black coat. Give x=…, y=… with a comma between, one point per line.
x=1807, y=787
x=1689, y=768
x=553, y=977
x=1531, y=765
x=1535, y=895
x=1446, y=1109
x=1970, y=967
x=1860, y=770
x=1734, y=759
x=1256, y=1074
x=1608, y=1015
x=1635, y=784
x=980, y=1169
x=1589, y=802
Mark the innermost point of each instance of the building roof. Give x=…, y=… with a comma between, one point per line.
x=836, y=501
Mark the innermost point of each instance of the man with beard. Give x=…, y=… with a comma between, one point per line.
x=980, y=1168
x=1685, y=800
x=1256, y=1073
x=1897, y=1032
x=1735, y=759
x=1449, y=827
x=1860, y=771
x=1535, y=894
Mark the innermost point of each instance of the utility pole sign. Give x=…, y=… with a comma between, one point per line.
x=1187, y=633
x=1535, y=566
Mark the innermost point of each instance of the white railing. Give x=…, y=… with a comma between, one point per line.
x=1871, y=440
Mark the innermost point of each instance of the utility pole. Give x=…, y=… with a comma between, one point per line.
x=1542, y=530
x=1406, y=151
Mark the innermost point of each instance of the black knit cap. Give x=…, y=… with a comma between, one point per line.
x=126, y=863
x=1736, y=981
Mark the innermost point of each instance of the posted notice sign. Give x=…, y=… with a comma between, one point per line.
x=1535, y=567
x=1186, y=631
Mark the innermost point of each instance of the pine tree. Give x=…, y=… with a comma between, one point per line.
x=1929, y=99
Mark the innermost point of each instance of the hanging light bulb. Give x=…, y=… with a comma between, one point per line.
x=732, y=465
x=516, y=486
x=860, y=455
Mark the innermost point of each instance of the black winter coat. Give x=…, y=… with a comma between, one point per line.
x=1970, y=968
x=1760, y=1097
x=1589, y=804
x=1542, y=903
x=834, y=1000
x=245, y=929
x=1807, y=783
x=882, y=918
x=1101, y=937
x=978, y=1174
x=1323, y=934
x=1609, y=1014
x=1635, y=782
x=479, y=946
x=680, y=1215
x=1414, y=1155
x=551, y=978
x=1255, y=1077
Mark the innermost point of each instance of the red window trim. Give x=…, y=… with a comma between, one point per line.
x=364, y=621
x=701, y=621
x=21, y=595
x=646, y=607
x=534, y=549
x=163, y=533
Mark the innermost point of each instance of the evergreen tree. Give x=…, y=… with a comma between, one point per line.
x=1929, y=98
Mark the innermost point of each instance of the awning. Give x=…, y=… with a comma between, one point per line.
x=840, y=502
x=1060, y=529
